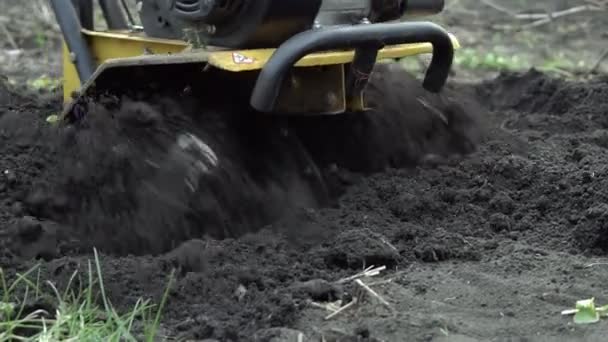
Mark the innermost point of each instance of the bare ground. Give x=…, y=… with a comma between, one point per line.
x=489, y=248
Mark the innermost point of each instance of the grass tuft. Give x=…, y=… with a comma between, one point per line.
x=77, y=315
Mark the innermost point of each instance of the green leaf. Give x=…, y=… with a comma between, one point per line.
x=52, y=118
x=587, y=312
x=44, y=82
x=6, y=310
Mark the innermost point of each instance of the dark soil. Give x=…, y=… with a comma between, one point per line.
x=489, y=246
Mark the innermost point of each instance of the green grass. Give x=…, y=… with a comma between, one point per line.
x=77, y=315
x=44, y=83
x=492, y=60
x=496, y=60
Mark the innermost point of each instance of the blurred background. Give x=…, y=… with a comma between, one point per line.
x=564, y=37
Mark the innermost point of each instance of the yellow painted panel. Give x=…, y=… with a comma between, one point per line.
x=71, y=81
x=111, y=45
x=115, y=45
x=247, y=60
x=124, y=44
x=135, y=37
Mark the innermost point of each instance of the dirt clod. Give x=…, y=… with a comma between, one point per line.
x=357, y=249
x=35, y=239
x=190, y=256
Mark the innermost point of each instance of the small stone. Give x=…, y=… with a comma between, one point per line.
x=240, y=292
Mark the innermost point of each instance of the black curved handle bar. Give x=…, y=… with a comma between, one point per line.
x=270, y=79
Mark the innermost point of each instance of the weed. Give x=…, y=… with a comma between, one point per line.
x=77, y=315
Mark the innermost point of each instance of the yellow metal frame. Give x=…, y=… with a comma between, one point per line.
x=224, y=60
x=108, y=46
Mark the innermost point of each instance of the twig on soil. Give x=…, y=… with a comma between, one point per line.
x=368, y=272
x=9, y=36
x=433, y=110
x=599, y=3
x=381, y=282
x=342, y=309
x=599, y=61
x=597, y=264
x=590, y=6
x=380, y=237
x=319, y=305
x=545, y=18
x=332, y=307
x=372, y=293
x=564, y=73
x=42, y=11
x=498, y=7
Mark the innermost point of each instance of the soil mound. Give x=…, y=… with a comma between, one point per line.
x=142, y=176
x=474, y=246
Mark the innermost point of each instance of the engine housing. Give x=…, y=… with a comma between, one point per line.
x=262, y=23
x=228, y=23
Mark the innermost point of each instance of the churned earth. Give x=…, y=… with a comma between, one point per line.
x=491, y=246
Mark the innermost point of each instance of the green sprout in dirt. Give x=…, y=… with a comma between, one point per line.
x=44, y=82
x=491, y=60
x=41, y=39
x=586, y=312
x=77, y=317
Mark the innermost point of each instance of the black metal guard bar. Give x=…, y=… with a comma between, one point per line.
x=69, y=22
x=268, y=84
x=112, y=13
x=361, y=68
x=84, y=8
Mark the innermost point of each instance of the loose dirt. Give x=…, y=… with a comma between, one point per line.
x=491, y=246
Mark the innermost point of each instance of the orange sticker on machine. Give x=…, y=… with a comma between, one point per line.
x=242, y=59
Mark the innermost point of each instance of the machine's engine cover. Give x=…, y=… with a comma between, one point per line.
x=264, y=23
x=228, y=23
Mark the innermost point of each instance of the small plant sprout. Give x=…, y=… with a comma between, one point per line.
x=586, y=312
x=52, y=119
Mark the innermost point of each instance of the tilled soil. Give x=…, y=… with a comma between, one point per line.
x=489, y=247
